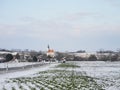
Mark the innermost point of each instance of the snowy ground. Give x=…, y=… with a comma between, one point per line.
x=17, y=64
x=94, y=75
x=106, y=74
x=27, y=72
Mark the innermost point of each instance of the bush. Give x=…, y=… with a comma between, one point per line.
x=114, y=57
x=9, y=57
x=17, y=56
x=92, y=58
x=76, y=58
x=34, y=59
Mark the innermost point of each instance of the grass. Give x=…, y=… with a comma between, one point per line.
x=4, y=88
x=13, y=88
x=67, y=65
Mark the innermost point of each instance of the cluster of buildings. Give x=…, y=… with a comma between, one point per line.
x=100, y=55
x=51, y=54
x=26, y=55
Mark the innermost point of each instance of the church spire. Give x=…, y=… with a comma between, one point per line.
x=48, y=47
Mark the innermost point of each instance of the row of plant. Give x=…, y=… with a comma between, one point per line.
x=67, y=65
x=54, y=80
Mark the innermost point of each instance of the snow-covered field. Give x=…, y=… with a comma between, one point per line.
x=106, y=74
x=84, y=75
x=17, y=64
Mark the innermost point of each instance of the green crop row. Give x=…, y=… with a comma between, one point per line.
x=55, y=80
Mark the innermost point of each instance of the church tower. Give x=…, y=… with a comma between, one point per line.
x=50, y=52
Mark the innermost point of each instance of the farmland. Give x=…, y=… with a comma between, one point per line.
x=69, y=76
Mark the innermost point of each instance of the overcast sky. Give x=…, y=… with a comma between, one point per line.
x=66, y=25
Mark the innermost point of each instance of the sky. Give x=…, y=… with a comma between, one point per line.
x=66, y=25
